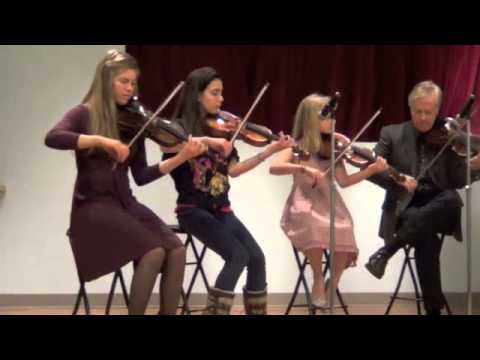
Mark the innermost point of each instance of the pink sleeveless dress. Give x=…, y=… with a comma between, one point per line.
x=306, y=216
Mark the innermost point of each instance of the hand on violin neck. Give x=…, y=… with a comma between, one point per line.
x=220, y=145
x=192, y=149
x=380, y=165
x=342, y=138
x=285, y=141
x=410, y=184
x=475, y=162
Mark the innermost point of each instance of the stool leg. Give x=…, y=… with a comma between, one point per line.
x=202, y=270
x=199, y=267
x=343, y=305
x=111, y=293
x=447, y=307
x=77, y=301
x=297, y=286
x=82, y=293
x=415, y=286
x=85, y=300
x=302, y=267
x=118, y=276
x=342, y=302
x=124, y=289
x=294, y=296
x=300, y=280
x=196, y=270
x=399, y=283
x=326, y=262
x=185, y=299
x=185, y=307
x=311, y=309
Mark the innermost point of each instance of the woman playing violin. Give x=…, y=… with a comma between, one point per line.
x=108, y=226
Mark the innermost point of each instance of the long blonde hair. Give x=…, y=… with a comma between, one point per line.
x=305, y=130
x=100, y=97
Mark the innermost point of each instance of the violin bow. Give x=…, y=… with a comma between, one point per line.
x=154, y=115
x=245, y=119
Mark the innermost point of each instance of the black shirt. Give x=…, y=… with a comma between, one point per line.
x=427, y=188
x=203, y=181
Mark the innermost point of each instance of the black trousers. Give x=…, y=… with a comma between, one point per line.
x=225, y=234
x=419, y=226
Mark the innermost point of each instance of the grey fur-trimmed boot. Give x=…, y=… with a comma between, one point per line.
x=219, y=302
x=255, y=302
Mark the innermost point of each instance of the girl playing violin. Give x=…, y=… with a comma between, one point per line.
x=108, y=226
x=203, y=205
x=306, y=216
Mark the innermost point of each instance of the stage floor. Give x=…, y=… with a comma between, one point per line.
x=354, y=309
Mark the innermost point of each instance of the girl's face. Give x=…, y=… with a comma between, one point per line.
x=212, y=97
x=315, y=122
x=124, y=86
x=325, y=125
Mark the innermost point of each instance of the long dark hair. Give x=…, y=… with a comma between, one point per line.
x=189, y=110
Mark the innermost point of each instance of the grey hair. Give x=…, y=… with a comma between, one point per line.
x=425, y=88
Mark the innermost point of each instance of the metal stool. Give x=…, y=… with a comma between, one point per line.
x=407, y=262
x=82, y=294
x=301, y=280
x=198, y=259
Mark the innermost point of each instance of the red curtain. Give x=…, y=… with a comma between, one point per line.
x=368, y=77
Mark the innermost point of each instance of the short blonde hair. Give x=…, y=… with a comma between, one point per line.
x=425, y=88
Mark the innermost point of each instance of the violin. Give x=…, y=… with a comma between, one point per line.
x=449, y=130
x=224, y=125
x=359, y=157
x=164, y=132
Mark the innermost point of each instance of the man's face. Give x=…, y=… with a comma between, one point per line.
x=424, y=111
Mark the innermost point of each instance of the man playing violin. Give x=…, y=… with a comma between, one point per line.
x=433, y=206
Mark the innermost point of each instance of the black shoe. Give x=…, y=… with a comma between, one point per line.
x=377, y=263
x=433, y=312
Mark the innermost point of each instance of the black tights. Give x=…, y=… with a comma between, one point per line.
x=172, y=266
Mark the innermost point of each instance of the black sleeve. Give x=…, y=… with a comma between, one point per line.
x=234, y=157
x=383, y=148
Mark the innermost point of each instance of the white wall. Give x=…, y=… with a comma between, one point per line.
x=40, y=84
